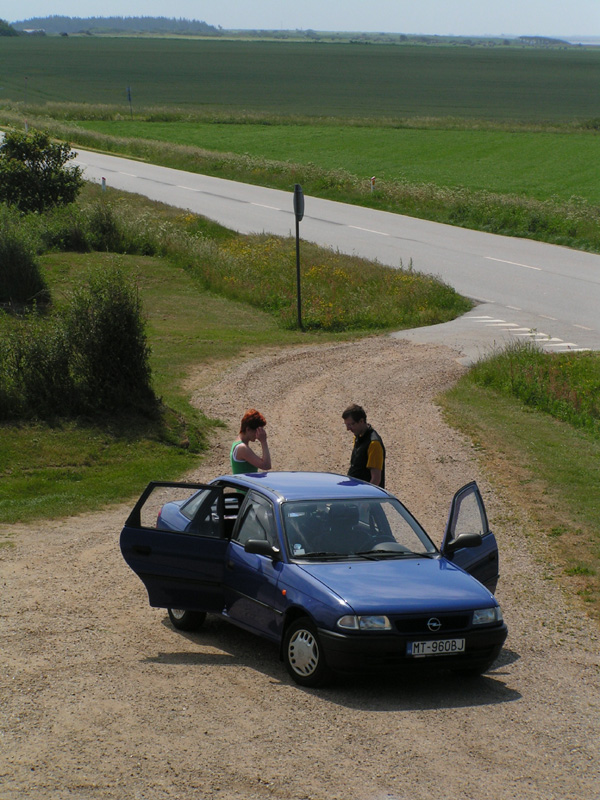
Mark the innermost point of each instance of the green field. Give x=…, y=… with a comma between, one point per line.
x=540, y=165
x=344, y=80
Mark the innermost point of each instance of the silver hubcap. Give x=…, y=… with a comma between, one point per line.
x=303, y=652
x=178, y=613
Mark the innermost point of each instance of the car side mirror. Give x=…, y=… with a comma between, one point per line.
x=464, y=540
x=262, y=548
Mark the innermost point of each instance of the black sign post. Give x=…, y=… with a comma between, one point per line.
x=298, y=213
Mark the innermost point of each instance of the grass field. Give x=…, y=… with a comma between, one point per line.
x=342, y=80
x=534, y=164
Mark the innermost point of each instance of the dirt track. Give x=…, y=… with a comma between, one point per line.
x=101, y=698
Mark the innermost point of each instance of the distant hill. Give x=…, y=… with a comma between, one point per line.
x=156, y=25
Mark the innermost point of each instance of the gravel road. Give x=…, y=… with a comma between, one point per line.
x=100, y=698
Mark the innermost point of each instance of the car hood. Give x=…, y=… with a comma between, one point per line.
x=407, y=585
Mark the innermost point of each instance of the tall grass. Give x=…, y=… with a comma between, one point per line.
x=565, y=385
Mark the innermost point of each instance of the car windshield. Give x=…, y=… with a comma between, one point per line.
x=380, y=528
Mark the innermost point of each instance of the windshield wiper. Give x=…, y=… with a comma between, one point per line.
x=394, y=553
x=324, y=554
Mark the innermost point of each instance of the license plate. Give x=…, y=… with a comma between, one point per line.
x=436, y=647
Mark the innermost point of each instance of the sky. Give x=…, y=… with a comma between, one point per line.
x=566, y=18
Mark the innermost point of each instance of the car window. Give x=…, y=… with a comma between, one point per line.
x=346, y=527
x=258, y=522
x=176, y=507
x=190, y=508
x=204, y=514
x=469, y=516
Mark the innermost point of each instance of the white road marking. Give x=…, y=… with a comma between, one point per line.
x=545, y=316
x=533, y=334
x=187, y=188
x=129, y=174
x=583, y=327
x=543, y=340
x=514, y=263
x=262, y=205
x=368, y=230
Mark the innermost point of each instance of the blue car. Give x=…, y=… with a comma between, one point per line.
x=336, y=571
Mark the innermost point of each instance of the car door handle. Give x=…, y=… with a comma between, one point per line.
x=142, y=549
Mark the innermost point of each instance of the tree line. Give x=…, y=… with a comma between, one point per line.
x=57, y=24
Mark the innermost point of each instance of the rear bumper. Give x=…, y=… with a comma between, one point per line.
x=381, y=652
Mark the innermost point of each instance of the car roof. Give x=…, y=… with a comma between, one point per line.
x=308, y=485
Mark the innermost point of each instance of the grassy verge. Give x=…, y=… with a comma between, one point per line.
x=549, y=467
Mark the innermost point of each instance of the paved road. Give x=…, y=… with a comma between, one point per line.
x=526, y=289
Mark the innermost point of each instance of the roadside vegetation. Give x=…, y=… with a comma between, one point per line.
x=82, y=367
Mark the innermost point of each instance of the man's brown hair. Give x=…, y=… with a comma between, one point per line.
x=356, y=412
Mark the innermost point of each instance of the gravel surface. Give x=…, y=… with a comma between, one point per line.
x=101, y=698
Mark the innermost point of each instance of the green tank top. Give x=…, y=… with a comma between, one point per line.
x=239, y=467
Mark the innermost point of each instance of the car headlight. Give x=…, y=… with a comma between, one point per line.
x=352, y=622
x=487, y=616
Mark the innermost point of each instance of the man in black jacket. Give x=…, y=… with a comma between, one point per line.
x=368, y=454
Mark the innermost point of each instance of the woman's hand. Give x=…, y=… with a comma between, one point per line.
x=261, y=435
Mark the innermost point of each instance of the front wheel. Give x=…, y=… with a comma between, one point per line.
x=303, y=654
x=186, y=620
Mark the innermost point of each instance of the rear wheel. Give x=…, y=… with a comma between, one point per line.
x=186, y=620
x=303, y=654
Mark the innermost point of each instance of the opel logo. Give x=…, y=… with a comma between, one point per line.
x=434, y=624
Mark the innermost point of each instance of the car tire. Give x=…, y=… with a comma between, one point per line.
x=303, y=655
x=186, y=620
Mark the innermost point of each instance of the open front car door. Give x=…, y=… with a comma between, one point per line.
x=468, y=541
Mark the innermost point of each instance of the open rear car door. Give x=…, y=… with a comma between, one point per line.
x=184, y=568
x=467, y=517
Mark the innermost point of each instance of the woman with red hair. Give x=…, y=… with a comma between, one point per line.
x=243, y=458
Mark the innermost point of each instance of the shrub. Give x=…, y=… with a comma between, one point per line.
x=20, y=277
x=110, y=355
x=91, y=359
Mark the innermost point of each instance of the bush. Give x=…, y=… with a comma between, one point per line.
x=20, y=277
x=110, y=355
x=91, y=359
